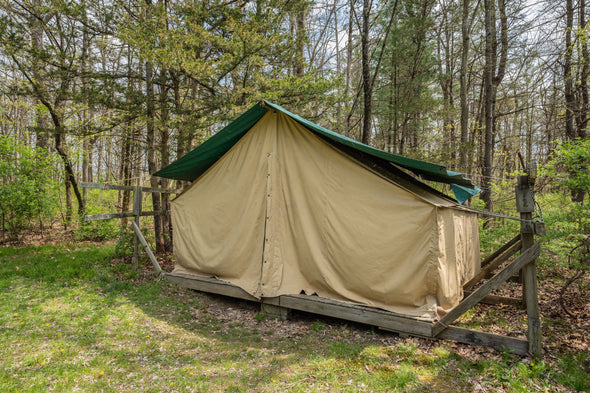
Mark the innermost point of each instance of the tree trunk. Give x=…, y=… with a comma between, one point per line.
x=570, y=104
x=164, y=161
x=582, y=122
x=299, y=66
x=151, y=141
x=348, y=79
x=126, y=168
x=574, y=106
x=463, y=86
x=492, y=79
x=41, y=121
x=86, y=107
x=582, y=118
x=69, y=171
x=489, y=104
x=366, y=71
x=151, y=150
x=338, y=65
x=68, y=187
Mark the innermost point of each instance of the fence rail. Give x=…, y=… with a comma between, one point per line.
x=135, y=214
x=108, y=216
x=104, y=186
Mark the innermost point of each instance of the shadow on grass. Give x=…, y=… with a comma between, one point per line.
x=155, y=336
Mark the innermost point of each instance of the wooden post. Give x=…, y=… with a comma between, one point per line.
x=274, y=311
x=525, y=204
x=146, y=247
x=137, y=199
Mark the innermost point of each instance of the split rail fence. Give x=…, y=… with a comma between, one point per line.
x=137, y=212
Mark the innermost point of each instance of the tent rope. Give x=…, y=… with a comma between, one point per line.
x=490, y=214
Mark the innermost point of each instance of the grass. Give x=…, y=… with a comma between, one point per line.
x=74, y=319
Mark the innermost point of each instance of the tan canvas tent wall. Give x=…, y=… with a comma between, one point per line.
x=285, y=212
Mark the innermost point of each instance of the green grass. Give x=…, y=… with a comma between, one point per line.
x=73, y=319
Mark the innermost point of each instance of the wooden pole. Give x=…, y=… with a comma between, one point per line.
x=525, y=204
x=146, y=247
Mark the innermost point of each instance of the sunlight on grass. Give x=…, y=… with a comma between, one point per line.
x=72, y=324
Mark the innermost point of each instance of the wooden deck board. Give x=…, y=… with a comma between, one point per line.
x=382, y=319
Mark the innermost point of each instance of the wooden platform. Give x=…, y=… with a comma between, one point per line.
x=382, y=319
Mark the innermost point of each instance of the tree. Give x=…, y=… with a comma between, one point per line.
x=367, y=82
x=492, y=79
x=402, y=84
x=466, y=26
x=576, y=94
x=58, y=57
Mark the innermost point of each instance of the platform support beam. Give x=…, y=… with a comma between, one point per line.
x=384, y=320
x=279, y=312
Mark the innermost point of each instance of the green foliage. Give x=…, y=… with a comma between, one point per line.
x=317, y=326
x=574, y=371
x=403, y=89
x=494, y=232
x=563, y=219
x=261, y=316
x=124, y=246
x=99, y=202
x=570, y=165
x=97, y=230
x=25, y=184
x=237, y=54
x=570, y=220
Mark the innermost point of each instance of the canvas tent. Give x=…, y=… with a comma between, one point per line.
x=280, y=206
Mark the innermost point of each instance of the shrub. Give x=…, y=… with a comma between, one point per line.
x=26, y=183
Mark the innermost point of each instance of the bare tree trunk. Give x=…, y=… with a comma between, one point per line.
x=575, y=106
x=61, y=151
x=489, y=105
x=492, y=80
x=126, y=168
x=41, y=126
x=349, y=68
x=299, y=66
x=151, y=141
x=151, y=150
x=582, y=132
x=366, y=71
x=582, y=122
x=86, y=108
x=338, y=64
x=392, y=110
x=164, y=161
x=183, y=138
x=568, y=77
x=68, y=187
x=463, y=86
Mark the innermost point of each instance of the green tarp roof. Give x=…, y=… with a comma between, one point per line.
x=192, y=165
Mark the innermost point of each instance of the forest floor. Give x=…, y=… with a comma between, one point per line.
x=76, y=318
